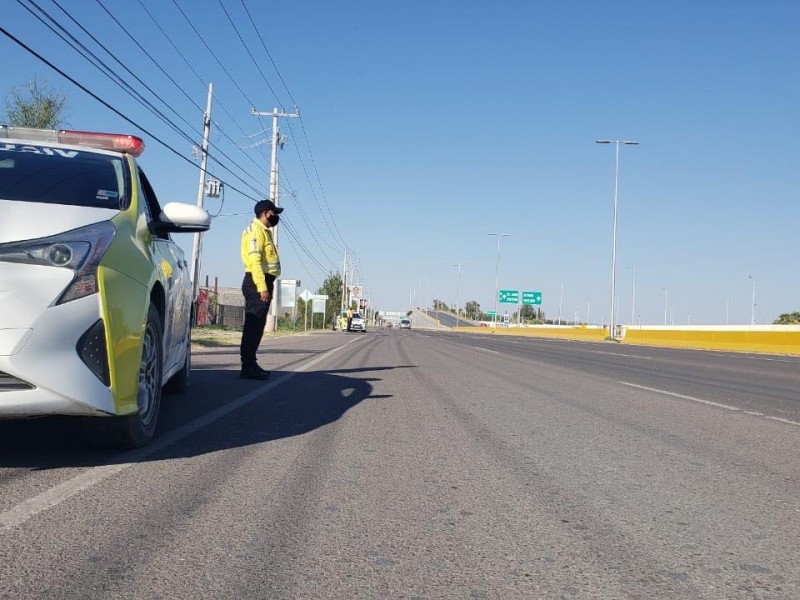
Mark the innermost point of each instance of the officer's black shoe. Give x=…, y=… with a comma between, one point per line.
x=253, y=372
x=263, y=371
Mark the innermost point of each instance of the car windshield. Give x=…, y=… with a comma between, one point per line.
x=58, y=176
x=357, y=316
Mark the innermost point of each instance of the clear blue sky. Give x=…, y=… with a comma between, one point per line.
x=433, y=124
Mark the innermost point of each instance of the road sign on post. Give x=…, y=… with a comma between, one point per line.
x=531, y=298
x=509, y=296
x=490, y=313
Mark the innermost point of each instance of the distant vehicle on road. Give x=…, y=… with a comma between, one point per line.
x=405, y=324
x=95, y=297
x=359, y=323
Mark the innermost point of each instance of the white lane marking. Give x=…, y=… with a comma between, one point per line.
x=692, y=398
x=783, y=360
x=54, y=496
x=486, y=350
x=620, y=354
x=782, y=420
x=710, y=403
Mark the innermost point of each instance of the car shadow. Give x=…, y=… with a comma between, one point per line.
x=250, y=412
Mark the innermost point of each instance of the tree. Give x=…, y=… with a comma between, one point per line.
x=35, y=105
x=439, y=305
x=792, y=318
x=472, y=310
x=332, y=287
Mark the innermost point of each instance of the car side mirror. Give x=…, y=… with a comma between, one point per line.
x=177, y=217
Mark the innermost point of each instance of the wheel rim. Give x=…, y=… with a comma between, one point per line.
x=149, y=380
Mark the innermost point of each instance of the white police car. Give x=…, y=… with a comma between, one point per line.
x=358, y=323
x=95, y=299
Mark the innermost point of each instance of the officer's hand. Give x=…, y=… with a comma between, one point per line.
x=265, y=296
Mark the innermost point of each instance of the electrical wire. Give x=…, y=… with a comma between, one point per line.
x=247, y=49
x=158, y=65
x=203, y=82
x=120, y=114
x=99, y=64
x=290, y=231
x=341, y=240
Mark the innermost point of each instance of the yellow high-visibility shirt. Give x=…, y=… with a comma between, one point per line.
x=259, y=254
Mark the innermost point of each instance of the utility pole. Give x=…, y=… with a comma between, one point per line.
x=201, y=192
x=458, y=292
x=344, y=280
x=273, y=189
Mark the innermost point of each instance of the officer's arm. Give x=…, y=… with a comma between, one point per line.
x=255, y=250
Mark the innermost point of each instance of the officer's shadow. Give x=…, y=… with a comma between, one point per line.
x=220, y=412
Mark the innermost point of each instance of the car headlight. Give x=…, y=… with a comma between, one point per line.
x=79, y=250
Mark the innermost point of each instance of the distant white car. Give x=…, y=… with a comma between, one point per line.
x=405, y=324
x=358, y=323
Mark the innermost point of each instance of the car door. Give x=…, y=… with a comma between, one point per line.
x=172, y=273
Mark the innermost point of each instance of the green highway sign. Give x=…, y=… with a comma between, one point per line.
x=509, y=296
x=490, y=313
x=531, y=297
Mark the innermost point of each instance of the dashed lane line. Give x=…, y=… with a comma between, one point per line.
x=710, y=403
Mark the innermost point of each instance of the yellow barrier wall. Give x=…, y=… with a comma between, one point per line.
x=564, y=333
x=775, y=342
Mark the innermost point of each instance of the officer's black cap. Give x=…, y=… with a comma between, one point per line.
x=265, y=205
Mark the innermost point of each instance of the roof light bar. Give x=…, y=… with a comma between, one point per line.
x=116, y=142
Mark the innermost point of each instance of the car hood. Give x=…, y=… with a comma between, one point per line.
x=33, y=220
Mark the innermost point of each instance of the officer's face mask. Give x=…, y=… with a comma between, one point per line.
x=273, y=220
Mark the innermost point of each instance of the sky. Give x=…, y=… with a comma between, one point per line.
x=426, y=126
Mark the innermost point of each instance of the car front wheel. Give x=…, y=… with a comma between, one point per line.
x=136, y=430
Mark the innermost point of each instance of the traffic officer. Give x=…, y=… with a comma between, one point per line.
x=261, y=267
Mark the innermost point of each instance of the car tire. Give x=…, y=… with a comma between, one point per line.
x=137, y=430
x=179, y=383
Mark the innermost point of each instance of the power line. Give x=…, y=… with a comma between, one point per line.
x=315, y=233
x=202, y=81
x=247, y=49
x=129, y=120
x=110, y=107
x=171, y=79
x=263, y=45
x=104, y=68
x=202, y=39
x=302, y=124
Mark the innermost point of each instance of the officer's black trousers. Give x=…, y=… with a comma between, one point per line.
x=255, y=318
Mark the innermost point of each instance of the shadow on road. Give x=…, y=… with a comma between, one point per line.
x=307, y=401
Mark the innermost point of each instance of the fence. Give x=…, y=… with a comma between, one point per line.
x=220, y=307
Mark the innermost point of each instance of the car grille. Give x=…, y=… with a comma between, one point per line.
x=8, y=383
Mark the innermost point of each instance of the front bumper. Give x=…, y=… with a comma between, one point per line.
x=42, y=361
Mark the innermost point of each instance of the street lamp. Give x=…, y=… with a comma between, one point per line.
x=458, y=284
x=665, y=305
x=633, y=296
x=614, y=238
x=753, y=309
x=497, y=273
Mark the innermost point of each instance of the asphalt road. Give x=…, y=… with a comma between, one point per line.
x=410, y=464
x=449, y=320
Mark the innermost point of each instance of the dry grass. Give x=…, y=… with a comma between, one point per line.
x=211, y=337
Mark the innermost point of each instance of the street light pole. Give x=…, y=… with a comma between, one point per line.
x=665, y=305
x=458, y=284
x=614, y=237
x=497, y=273
x=633, y=297
x=753, y=309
